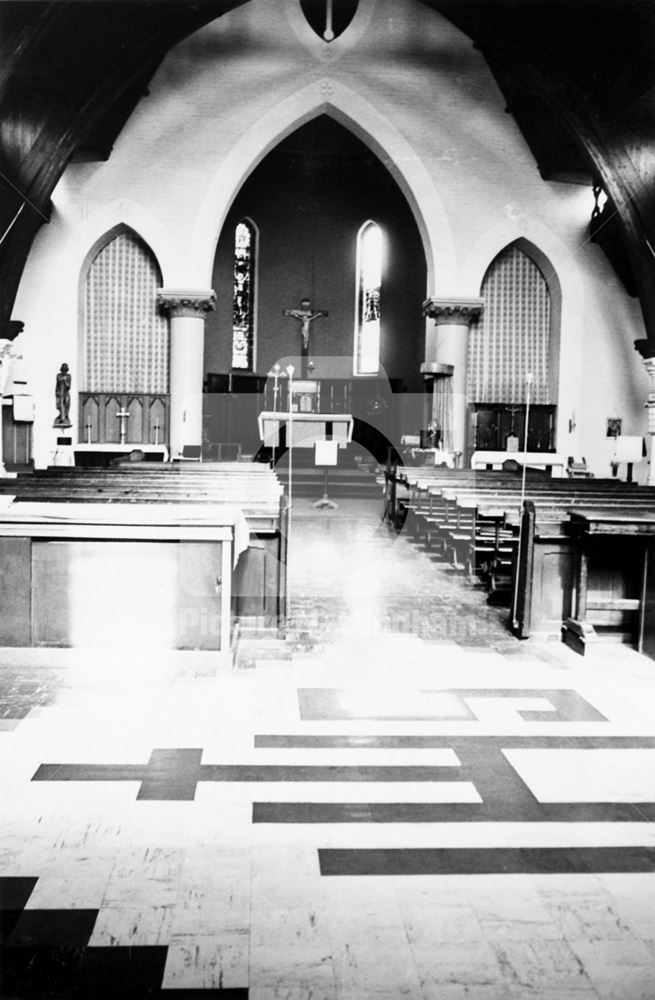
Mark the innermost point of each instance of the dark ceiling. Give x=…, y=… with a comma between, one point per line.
x=577, y=75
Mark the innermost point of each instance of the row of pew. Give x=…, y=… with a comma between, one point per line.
x=570, y=557
x=259, y=585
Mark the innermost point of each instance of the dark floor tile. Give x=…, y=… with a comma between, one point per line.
x=15, y=891
x=485, y=861
x=316, y=772
x=489, y=811
x=331, y=704
x=38, y=973
x=53, y=929
x=121, y=972
x=167, y=791
x=235, y=993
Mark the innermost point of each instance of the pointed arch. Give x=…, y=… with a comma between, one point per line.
x=515, y=332
x=562, y=267
x=373, y=129
x=124, y=336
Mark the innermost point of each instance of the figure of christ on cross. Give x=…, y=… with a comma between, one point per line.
x=306, y=316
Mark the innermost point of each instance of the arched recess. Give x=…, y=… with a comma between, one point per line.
x=560, y=266
x=523, y=303
x=333, y=51
x=367, y=124
x=123, y=361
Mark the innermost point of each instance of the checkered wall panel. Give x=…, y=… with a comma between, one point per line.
x=126, y=338
x=512, y=336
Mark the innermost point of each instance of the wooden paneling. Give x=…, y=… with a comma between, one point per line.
x=151, y=595
x=15, y=579
x=16, y=441
x=146, y=423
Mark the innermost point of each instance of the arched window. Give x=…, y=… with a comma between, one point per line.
x=369, y=280
x=125, y=336
x=329, y=19
x=243, y=309
x=512, y=337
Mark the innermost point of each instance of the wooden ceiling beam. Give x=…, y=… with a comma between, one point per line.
x=68, y=65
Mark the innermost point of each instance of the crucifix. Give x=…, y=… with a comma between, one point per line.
x=306, y=316
x=122, y=416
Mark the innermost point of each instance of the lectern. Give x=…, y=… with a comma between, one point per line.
x=325, y=456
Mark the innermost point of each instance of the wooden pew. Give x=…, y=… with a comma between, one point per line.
x=259, y=578
x=546, y=568
x=614, y=576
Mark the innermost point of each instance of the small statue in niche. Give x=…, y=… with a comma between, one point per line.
x=63, y=397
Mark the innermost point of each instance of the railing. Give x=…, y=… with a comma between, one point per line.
x=123, y=418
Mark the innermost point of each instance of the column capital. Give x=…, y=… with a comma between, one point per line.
x=453, y=311
x=186, y=302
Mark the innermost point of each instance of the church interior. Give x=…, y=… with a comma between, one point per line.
x=327, y=430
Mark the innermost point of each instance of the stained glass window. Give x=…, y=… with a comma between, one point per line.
x=512, y=336
x=369, y=280
x=125, y=336
x=243, y=338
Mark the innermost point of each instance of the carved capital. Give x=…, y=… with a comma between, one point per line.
x=186, y=302
x=453, y=311
x=432, y=369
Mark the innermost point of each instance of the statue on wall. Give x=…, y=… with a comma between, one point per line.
x=63, y=397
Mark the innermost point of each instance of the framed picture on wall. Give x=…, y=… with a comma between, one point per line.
x=613, y=427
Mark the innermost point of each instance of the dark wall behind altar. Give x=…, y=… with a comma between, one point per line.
x=308, y=199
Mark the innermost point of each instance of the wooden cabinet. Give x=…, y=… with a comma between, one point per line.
x=493, y=425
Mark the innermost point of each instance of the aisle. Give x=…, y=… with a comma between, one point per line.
x=350, y=574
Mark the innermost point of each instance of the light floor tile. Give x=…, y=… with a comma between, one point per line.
x=132, y=925
x=207, y=961
x=595, y=775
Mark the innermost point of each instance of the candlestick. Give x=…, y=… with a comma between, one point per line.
x=276, y=388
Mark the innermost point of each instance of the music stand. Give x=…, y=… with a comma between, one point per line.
x=325, y=455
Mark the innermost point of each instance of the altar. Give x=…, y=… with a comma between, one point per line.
x=305, y=430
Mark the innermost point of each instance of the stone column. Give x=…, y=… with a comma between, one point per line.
x=649, y=365
x=187, y=309
x=447, y=345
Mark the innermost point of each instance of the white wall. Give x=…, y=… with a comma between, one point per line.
x=410, y=85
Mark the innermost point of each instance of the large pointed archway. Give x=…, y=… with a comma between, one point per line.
x=309, y=198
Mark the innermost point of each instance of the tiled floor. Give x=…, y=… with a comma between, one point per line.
x=413, y=804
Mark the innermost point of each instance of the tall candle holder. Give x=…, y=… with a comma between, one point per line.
x=276, y=387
